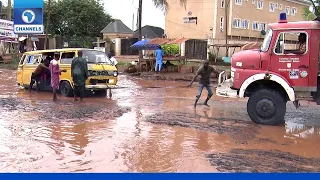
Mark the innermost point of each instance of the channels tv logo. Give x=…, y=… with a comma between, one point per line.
x=28, y=21
x=28, y=16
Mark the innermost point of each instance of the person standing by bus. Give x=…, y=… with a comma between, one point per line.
x=55, y=74
x=79, y=74
x=38, y=72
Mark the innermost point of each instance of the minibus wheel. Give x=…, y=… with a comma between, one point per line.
x=66, y=89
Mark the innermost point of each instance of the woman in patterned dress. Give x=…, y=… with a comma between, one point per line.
x=55, y=74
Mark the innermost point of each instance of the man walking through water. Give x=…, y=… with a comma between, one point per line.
x=205, y=72
x=79, y=73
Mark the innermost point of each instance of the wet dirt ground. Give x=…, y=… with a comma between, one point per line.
x=148, y=126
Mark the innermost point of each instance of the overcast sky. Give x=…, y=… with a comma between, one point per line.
x=124, y=9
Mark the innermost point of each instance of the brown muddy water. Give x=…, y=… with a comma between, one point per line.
x=148, y=126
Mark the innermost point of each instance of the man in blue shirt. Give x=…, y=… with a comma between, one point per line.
x=159, y=54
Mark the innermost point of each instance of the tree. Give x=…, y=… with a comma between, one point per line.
x=5, y=11
x=163, y=4
x=307, y=14
x=77, y=19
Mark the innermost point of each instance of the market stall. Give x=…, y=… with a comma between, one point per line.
x=147, y=60
x=172, y=53
x=180, y=57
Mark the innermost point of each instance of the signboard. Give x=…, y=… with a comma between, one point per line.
x=190, y=20
x=7, y=34
x=100, y=49
x=5, y=24
x=28, y=17
x=6, y=30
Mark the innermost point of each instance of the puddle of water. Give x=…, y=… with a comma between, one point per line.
x=159, y=132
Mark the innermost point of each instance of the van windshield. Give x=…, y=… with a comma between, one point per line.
x=266, y=42
x=95, y=57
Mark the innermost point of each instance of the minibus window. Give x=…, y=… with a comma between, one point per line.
x=95, y=57
x=67, y=57
x=33, y=59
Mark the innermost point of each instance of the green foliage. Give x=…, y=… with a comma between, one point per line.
x=307, y=14
x=76, y=18
x=163, y=4
x=5, y=10
x=212, y=56
x=83, y=42
x=171, y=49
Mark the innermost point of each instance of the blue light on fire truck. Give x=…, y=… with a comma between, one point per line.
x=283, y=17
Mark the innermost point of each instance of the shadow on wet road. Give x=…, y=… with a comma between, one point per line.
x=148, y=126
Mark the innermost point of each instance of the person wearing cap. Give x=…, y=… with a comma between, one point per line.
x=55, y=74
x=205, y=72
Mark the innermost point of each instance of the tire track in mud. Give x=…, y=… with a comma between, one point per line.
x=10, y=104
x=239, y=130
x=253, y=160
x=62, y=111
x=79, y=113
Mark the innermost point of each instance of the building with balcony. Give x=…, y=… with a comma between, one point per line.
x=238, y=20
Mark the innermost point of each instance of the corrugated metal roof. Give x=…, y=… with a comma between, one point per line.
x=159, y=41
x=149, y=32
x=117, y=26
x=178, y=41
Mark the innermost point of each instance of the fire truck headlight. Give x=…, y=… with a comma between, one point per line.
x=303, y=74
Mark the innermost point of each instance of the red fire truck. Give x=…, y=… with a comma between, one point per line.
x=284, y=69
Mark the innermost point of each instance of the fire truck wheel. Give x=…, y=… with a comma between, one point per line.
x=266, y=107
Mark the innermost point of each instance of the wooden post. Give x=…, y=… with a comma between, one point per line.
x=9, y=15
x=140, y=33
x=47, y=25
x=98, y=42
x=227, y=3
x=29, y=43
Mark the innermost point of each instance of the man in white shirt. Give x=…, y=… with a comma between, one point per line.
x=112, y=59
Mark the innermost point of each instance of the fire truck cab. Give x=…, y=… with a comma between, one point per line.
x=285, y=68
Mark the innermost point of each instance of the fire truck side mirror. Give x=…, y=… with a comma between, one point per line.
x=312, y=8
x=263, y=32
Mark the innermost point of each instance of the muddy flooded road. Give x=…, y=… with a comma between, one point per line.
x=148, y=126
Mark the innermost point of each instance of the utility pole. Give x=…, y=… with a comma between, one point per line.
x=47, y=25
x=227, y=3
x=132, y=21
x=140, y=18
x=9, y=15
